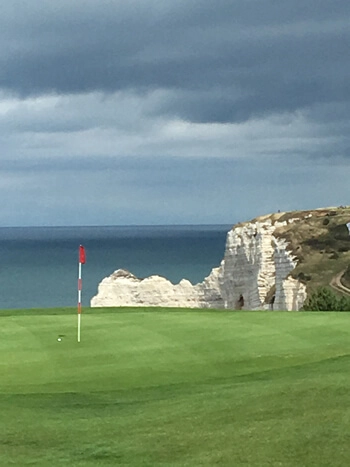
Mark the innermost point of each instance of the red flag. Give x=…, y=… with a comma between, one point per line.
x=82, y=257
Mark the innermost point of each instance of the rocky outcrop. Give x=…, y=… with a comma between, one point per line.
x=254, y=275
x=124, y=289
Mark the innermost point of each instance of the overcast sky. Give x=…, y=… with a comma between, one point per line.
x=172, y=111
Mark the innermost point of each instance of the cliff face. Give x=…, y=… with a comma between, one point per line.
x=255, y=270
x=253, y=275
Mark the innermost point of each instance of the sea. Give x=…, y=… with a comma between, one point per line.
x=39, y=265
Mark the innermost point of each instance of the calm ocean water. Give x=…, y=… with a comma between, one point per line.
x=39, y=264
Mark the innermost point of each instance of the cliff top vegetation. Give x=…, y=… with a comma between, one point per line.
x=320, y=241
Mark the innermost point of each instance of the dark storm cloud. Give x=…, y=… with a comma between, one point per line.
x=172, y=111
x=223, y=61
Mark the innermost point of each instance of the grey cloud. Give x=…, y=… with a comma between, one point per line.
x=186, y=111
x=265, y=56
x=178, y=191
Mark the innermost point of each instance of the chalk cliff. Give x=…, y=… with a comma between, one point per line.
x=124, y=289
x=254, y=275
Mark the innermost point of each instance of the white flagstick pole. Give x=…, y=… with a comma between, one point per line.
x=79, y=299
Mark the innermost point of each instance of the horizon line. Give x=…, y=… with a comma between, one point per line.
x=113, y=225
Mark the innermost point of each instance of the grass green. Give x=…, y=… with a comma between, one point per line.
x=180, y=387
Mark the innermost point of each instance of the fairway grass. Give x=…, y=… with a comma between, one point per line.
x=174, y=387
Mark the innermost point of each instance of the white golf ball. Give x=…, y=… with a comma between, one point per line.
x=59, y=339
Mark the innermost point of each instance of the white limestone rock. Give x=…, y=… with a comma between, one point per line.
x=124, y=289
x=254, y=275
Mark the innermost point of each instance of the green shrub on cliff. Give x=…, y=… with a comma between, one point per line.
x=323, y=299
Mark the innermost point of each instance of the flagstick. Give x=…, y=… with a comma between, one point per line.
x=79, y=319
x=79, y=300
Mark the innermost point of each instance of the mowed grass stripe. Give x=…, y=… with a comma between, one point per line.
x=138, y=349
x=180, y=388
